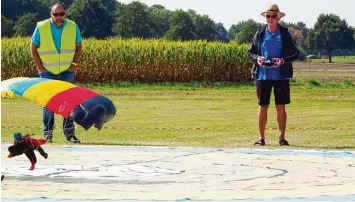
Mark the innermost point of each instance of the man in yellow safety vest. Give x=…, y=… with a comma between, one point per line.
x=56, y=49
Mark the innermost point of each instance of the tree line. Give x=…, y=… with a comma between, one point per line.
x=110, y=18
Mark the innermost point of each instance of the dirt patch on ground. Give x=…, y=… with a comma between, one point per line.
x=324, y=66
x=325, y=72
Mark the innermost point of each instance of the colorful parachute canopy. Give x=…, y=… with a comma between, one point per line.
x=84, y=106
x=7, y=94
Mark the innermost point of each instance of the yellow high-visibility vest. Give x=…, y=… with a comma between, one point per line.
x=52, y=60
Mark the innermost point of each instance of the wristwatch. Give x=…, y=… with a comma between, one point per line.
x=73, y=63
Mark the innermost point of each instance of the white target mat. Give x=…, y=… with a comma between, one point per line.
x=170, y=174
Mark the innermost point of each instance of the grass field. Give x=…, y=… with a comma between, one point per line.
x=336, y=59
x=321, y=116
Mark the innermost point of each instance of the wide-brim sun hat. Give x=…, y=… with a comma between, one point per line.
x=273, y=8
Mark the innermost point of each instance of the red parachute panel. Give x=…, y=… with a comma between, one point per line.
x=64, y=102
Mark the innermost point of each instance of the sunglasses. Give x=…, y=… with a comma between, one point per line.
x=56, y=14
x=271, y=16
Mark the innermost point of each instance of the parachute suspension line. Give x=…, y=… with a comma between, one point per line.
x=65, y=126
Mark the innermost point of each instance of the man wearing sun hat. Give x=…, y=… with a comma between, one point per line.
x=273, y=50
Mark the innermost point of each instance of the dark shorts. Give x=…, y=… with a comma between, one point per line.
x=281, y=91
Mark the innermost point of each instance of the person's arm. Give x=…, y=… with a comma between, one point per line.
x=295, y=51
x=78, y=50
x=253, y=51
x=33, y=141
x=34, y=52
x=76, y=58
x=36, y=58
x=77, y=53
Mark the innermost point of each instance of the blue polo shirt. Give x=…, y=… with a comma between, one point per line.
x=56, y=34
x=271, y=47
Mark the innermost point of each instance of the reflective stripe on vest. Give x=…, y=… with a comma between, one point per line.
x=55, y=52
x=52, y=60
x=55, y=64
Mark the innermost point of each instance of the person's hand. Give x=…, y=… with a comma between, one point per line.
x=41, y=69
x=278, y=62
x=72, y=68
x=260, y=59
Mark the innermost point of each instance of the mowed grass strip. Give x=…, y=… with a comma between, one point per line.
x=195, y=116
x=349, y=59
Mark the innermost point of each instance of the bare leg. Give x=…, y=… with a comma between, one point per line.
x=262, y=116
x=281, y=120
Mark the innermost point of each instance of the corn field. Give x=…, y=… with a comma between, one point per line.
x=115, y=60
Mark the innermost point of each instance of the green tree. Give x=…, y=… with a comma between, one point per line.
x=330, y=33
x=204, y=27
x=311, y=45
x=237, y=28
x=221, y=33
x=26, y=24
x=158, y=6
x=247, y=31
x=6, y=27
x=303, y=27
x=111, y=5
x=49, y=3
x=13, y=9
x=133, y=21
x=43, y=12
x=300, y=41
x=298, y=26
x=347, y=36
x=181, y=26
x=92, y=18
x=159, y=20
x=233, y=30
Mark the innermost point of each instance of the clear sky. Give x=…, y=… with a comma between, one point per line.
x=231, y=12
